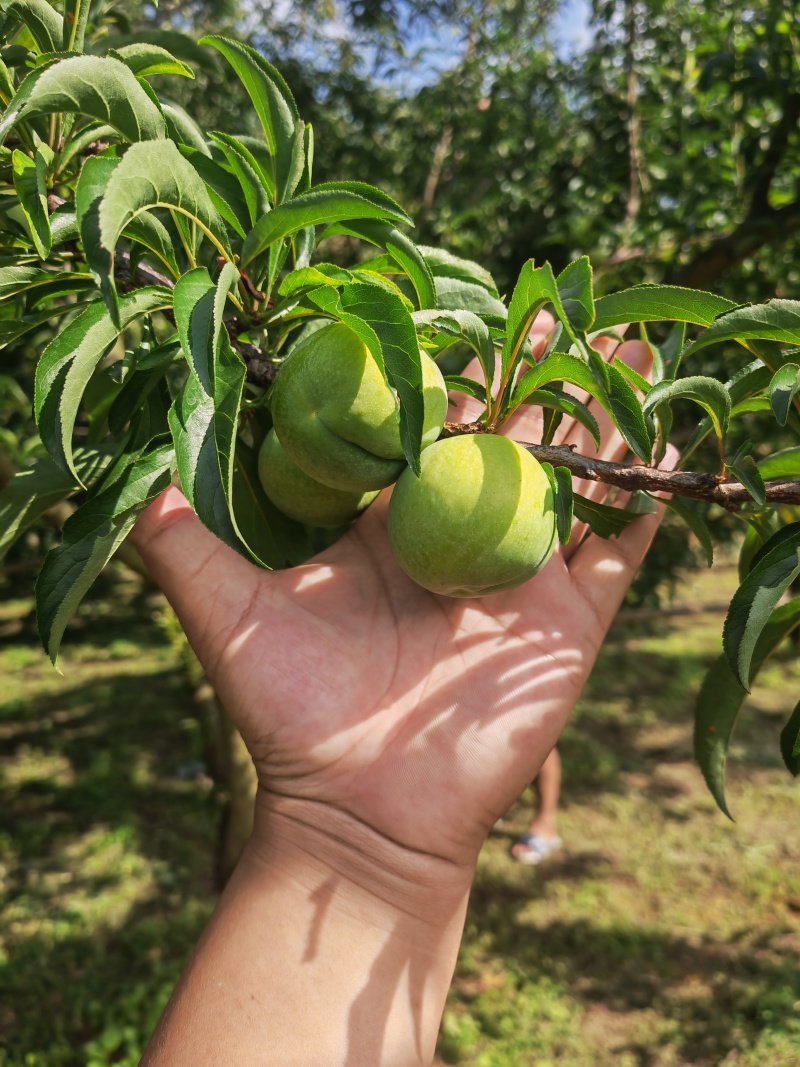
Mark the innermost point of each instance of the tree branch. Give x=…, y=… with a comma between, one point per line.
x=707, y=487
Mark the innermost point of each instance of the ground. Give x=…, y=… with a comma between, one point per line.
x=662, y=936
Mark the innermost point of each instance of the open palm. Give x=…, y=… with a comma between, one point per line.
x=418, y=716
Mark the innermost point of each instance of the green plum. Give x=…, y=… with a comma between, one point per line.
x=338, y=419
x=478, y=520
x=297, y=495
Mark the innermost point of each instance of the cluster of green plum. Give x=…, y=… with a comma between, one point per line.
x=478, y=519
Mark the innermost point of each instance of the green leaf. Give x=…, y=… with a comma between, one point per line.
x=747, y=381
x=659, y=303
x=321, y=205
x=275, y=108
x=31, y=186
x=466, y=385
x=177, y=44
x=182, y=128
x=777, y=320
x=694, y=520
x=45, y=24
x=31, y=492
x=223, y=189
x=566, y=405
x=637, y=380
x=146, y=59
x=387, y=317
x=535, y=287
x=624, y=407
x=746, y=472
x=102, y=88
x=721, y=696
x=602, y=519
x=146, y=375
x=445, y=265
x=455, y=294
x=204, y=416
x=785, y=464
x=466, y=327
x=40, y=284
x=253, y=182
x=12, y=329
x=70, y=360
x=790, y=742
x=274, y=539
x=784, y=386
x=154, y=174
x=575, y=289
x=94, y=178
x=756, y=598
x=92, y=535
x=76, y=16
x=400, y=248
x=563, y=499
x=710, y=394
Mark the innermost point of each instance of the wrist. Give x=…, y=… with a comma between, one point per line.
x=315, y=843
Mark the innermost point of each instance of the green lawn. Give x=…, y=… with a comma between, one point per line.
x=662, y=936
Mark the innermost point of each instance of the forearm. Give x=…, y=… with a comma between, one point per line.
x=327, y=948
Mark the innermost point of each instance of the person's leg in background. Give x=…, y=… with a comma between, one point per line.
x=542, y=838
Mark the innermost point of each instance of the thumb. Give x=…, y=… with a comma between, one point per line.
x=208, y=584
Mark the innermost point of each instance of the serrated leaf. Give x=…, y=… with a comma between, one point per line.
x=13, y=329
x=69, y=361
x=466, y=327
x=275, y=107
x=204, y=417
x=45, y=24
x=146, y=59
x=749, y=380
x=387, y=317
x=39, y=284
x=253, y=182
x=31, y=186
x=33, y=491
x=536, y=286
x=321, y=205
x=790, y=742
x=566, y=405
x=92, y=535
x=783, y=388
x=747, y=474
x=638, y=381
x=721, y=697
x=94, y=178
x=785, y=464
x=710, y=394
x=456, y=294
x=445, y=265
x=137, y=387
x=76, y=16
x=560, y=480
x=777, y=320
x=400, y=249
x=182, y=128
x=273, y=538
x=102, y=88
x=154, y=174
x=575, y=289
x=602, y=519
x=466, y=385
x=177, y=44
x=659, y=303
x=223, y=189
x=694, y=520
x=756, y=598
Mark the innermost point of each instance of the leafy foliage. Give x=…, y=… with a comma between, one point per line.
x=182, y=267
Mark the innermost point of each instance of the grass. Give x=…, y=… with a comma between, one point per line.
x=662, y=935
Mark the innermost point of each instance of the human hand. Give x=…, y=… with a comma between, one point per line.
x=418, y=717
x=390, y=727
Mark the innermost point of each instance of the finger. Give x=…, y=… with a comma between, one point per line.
x=602, y=570
x=206, y=582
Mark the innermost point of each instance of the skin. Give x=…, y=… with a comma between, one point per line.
x=337, y=418
x=300, y=497
x=390, y=728
x=478, y=520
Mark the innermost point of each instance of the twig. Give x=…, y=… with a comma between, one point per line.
x=729, y=495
